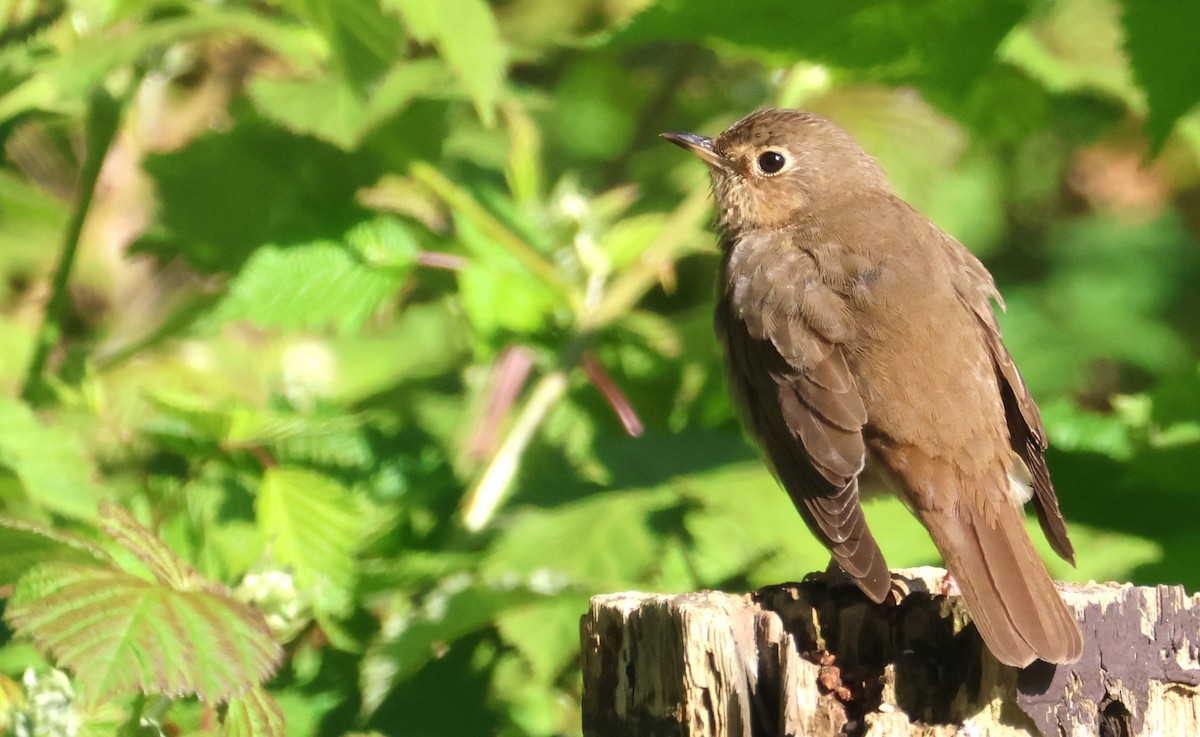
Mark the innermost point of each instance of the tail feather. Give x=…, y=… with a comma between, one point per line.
x=1011, y=598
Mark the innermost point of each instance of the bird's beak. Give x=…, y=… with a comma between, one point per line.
x=699, y=145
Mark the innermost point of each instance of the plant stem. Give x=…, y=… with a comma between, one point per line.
x=103, y=120
x=632, y=285
x=485, y=498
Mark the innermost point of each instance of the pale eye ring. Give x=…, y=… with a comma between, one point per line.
x=771, y=162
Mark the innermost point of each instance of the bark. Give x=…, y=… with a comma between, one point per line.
x=818, y=659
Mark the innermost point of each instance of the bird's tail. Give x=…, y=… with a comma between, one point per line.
x=1004, y=582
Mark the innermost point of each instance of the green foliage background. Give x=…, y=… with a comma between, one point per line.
x=315, y=313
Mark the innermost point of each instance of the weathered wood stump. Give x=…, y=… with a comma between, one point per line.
x=817, y=658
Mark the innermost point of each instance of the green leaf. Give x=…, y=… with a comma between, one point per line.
x=306, y=286
x=24, y=545
x=261, y=184
x=466, y=34
x=502, y=299
x=312, y=525
x=601, y=540
x=147, y=547
x=1073, y=45
x=332, y=109
x=50, y=464
x=363, y=38
x=253, y=714
x=1161, y=41
x=63, y=82
x=944, y=42
x=546, y=634
x=122, y=634
x=461, y=606
x=1070, y=428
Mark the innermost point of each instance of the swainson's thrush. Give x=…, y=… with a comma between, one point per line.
x=854, y=327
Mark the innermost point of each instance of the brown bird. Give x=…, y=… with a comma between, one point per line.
x=853, y=326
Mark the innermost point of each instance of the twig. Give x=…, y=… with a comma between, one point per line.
x=103, y=119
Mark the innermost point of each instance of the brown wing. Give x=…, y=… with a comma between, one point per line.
x=1027, y=435
x=783, y=331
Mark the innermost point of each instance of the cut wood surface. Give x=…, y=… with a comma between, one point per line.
x=817, y=658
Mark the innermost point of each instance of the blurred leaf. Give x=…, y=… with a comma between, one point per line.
x=460, y=606
x=466, y=34
x=334, y=110
x=1105, y=555
x=257, y=184
x=142, y=636
x=600, y=540
x=49, y=463
x=501, y=300
x=253, y=713
x=1083, y=312
x=24, y=545
x=312, y=525
x=526, y=700
x=1076, y=45
x=546, y=635
x=1070, y=428
x=311, y=285
x=147, y=547
x=363, y=38
x=947, y=42
x=63, y=82
x=1161, y=41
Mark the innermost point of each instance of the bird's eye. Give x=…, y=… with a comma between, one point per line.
x=770, y=162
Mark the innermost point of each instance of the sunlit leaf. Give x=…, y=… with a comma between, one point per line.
x=362, y=37
x=122, y=634
x=311, y=524
x=602, y=539
x=1161, y=41
x=253, y=713
x=48, y=462
x=312, y=285
x=147, y=547
x=466, y=34
x=332, y=109
x=24, y=545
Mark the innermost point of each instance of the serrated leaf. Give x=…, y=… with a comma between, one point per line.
x=312, y=525
x=24, y=545
x=147, y=547
x=50, y=464
x=466, y=34
x=122, y=634
x=254, y=714
x=311, y=285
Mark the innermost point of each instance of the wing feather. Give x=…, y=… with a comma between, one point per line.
x=783, y=330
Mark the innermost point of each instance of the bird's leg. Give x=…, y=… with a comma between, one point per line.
x=947, y=586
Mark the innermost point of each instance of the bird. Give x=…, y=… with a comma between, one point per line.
x=855, y=330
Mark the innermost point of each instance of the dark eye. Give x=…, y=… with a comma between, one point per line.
x=770, y=162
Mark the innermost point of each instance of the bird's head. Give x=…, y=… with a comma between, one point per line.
x=773, y=165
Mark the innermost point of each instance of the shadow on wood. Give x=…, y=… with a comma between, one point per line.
x=817, y=658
